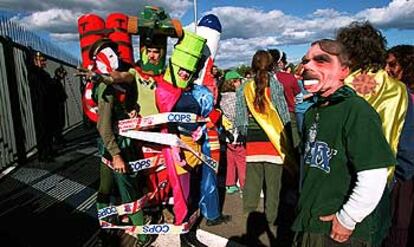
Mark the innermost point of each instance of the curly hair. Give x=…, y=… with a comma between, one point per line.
x=405, y=57
x=365, y=44
x=261, y=65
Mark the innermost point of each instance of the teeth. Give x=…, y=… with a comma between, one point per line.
x=310, y=82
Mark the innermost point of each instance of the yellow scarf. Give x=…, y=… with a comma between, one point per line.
x=390, y=99
x=270, y=120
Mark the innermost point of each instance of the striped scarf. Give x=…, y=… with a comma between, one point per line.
x=278, y=101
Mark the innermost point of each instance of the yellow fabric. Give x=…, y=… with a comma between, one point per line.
x=226, y=123
x=146, y=94
x=269, y=120
x=190, y=158
x=390, y=100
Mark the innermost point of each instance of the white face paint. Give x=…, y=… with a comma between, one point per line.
x=107, y=60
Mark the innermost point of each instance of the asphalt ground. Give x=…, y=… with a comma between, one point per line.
x=53, y=204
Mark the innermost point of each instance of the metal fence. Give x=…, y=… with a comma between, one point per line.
x=21, y=35
x=17, y=131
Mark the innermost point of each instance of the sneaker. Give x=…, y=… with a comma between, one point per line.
x=232, y=189
x=190, y=240
x=221, y=219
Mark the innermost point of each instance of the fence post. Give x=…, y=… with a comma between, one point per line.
x=14, y=100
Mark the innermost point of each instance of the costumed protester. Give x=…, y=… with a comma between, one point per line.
x=209, y=27
x=40, y=84
x=389, y=97
x=198, y=100
x=235, y=151
x=262, y=117
x=344, y=200
x=400, y=65
x=154, y=27
x=116, y=103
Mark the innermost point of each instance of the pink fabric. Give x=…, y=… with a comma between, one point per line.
x=166, y=95
x=236, y=161
x=180, y=202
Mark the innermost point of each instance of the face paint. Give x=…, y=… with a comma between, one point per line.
x=184, y=74
x=107, y=60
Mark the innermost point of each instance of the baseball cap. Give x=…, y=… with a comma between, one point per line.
x=232, y=75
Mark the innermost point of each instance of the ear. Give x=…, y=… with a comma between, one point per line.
x=344, y=72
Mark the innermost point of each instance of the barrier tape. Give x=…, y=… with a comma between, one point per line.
x=169, y=140
x=154, y=228
x=157, y=119
x=130, y=207
x=142, y=164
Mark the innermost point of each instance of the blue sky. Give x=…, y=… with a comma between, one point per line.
x=247, y=25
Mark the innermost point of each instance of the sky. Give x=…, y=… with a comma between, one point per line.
x=247, y=25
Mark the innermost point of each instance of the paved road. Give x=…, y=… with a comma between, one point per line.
x=53, y=204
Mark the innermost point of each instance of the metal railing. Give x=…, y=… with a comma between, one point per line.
x=21, y=35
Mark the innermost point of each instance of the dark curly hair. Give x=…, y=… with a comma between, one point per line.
x=365, y=44
x=405, y=57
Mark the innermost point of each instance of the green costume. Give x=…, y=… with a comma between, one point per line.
x=344, y=137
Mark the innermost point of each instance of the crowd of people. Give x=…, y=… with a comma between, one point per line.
x=347, y=117
x=339, y=125
x=343, y=119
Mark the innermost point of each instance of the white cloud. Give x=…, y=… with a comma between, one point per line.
x=398, y=14
x=247, y=24
x=66, y=37
x=59, y=18
x=244, y=29
x=52, y=20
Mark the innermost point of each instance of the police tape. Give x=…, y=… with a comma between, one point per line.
x=169, y=140
x=157, y=119
x=154, y=228
x=130, y=207
x=142, y=164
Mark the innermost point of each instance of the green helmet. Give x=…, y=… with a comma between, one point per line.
x=184, y=60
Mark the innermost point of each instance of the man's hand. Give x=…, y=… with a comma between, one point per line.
x=338, y=232
x=119, y=164
x=82, y=72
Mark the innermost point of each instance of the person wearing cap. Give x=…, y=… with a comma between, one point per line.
x=40, y=83
x=235, y=151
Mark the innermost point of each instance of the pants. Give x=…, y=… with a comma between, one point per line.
x=402, y=203
x=299, y=122
x=271, y=175
x=307, y=239
x=128, y=190
x=236, y=161
x=295, y=133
